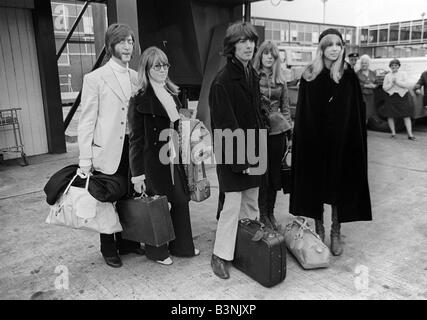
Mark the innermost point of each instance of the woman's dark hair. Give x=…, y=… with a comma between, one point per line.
x=394, y=61
x=236, y=32
x=115, y=33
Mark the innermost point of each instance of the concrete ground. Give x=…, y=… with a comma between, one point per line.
x=382, y=259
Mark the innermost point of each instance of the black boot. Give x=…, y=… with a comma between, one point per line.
x=320, y=228
x=336, y=245
x=264, y=218
x=109, y=250
x=273, y=221
x=270, y=208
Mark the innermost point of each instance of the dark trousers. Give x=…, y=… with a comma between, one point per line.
x=110, y=243
x=183, y=245
x=271, y=182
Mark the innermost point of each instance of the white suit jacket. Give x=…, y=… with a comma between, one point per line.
x=102, y=124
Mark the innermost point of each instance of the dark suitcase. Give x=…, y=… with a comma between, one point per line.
x=260, y=253
x=146, y=220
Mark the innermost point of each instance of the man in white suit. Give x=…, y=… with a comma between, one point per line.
x=103, y=129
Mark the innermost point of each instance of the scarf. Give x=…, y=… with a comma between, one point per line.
x=169, y=105
x=166, y=100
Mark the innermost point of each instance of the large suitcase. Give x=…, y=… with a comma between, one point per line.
x=260, y=253
x=146, y=220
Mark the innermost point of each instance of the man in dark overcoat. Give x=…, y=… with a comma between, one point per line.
x=234, y=101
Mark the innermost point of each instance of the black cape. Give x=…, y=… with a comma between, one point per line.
x=329, y=149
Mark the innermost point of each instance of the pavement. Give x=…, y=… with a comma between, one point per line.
x=383, y=259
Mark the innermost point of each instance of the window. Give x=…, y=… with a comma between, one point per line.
x=404, y=32
x=425, y=30
x=294, y=32
x=373, y=36
x=348, y=36
x=364, y=36
x=64, y=59
x=276, y=35
x=381, y=52
x=383, y=35
x=64, y=16
x=285, y=31
x=394, y=32
x=416, y=32
x=315, y=34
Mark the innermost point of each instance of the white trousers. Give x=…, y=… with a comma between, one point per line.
x=237, y=205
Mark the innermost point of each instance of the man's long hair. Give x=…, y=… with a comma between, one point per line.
x=236, y=32
x=338, y=66
x=115, y=33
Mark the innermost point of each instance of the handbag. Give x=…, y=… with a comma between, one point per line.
x=305, y=245
x=285, y=170
x=76, y=208
x=200, y=190
x=146, y=219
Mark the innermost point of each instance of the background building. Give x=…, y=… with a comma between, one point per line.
x=301, y=33
x=398, y=39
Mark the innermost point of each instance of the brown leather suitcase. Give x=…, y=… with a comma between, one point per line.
x=146, y=220
x=260, y=253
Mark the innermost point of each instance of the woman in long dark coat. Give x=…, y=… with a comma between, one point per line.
x=329, y=151
x=153, y=109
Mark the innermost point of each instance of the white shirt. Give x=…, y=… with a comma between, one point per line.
x=400, y=87
x=123, y=76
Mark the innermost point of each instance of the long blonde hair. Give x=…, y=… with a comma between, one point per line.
x=265, y=48
x=338, y=66
x=150, y=57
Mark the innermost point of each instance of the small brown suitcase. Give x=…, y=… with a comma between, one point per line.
x=146, y=220
x=260, y=253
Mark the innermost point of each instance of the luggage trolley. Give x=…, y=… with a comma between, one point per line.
x=9, y=120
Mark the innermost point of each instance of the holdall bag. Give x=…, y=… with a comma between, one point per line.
x=200, y=190
x=305, y=244
x=260, y=252
x=286, y=170
x=146, y=219
x=78, y=209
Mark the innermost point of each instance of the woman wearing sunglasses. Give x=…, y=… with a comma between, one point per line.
x=154, y=108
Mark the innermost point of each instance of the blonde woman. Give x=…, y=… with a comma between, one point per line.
x=329, y=149
x=398, y=103
x=154, y=108
x=368, y=82
x=275, y=106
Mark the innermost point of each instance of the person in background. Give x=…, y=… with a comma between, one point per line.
x=275, y=105
x=154, y=108
x=329, y=144
x=234, y=101
x=398, y=102
x=422, y=83
x=352, y=59
x=103, y=130
x=367, y=79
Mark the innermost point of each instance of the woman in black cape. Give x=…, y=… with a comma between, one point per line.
x=329, y=151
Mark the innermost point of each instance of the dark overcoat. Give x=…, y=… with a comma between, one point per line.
x=235, y=104
x=147, y=118
x=329, y=149
x=422, y=82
